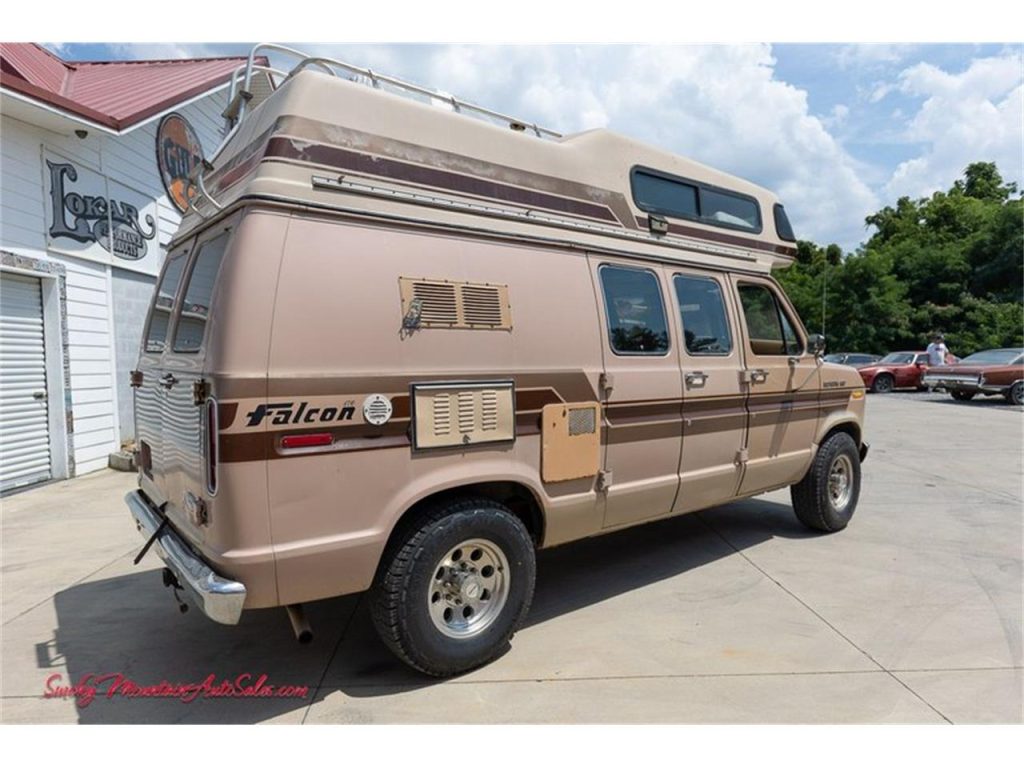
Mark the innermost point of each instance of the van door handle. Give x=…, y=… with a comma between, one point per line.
x=759, y=376
x=696, y=379
x=168, y=380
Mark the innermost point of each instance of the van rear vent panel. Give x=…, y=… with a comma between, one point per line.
x=428, y=303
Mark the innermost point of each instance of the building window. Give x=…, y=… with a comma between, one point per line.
x=636, y=315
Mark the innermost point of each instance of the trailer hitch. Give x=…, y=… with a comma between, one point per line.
x=171, y=580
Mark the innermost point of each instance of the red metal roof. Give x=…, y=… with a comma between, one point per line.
x=117, y=94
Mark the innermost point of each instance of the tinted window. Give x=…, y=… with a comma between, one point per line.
x=994, y=357
x=731, y=210
x=195, y=309
x=835, y=358
x=702, y=310
x=163, y=304
x=898, y=357
x=861, y=359
x=771, y=332
x=922, y=359
x=636, y=316
x=682, y=198
x=660, y=195
x=782, y=225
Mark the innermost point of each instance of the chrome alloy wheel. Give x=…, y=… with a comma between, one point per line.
x=469, y=588
x=840, y=482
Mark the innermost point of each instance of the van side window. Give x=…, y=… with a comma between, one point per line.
x=163, y=302
x=771, y=331
x=702, y=311
x=195, y=309
x=636, y=315
x=662, y=193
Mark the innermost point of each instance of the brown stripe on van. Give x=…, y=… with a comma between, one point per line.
x=226, y=413
x=707, y=415
x=347, y=160
x=635, y=432
x=622, y=412
x=723, y=237
x=385, y=146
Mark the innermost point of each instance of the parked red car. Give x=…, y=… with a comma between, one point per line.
x=897, y=370
x=992, y=372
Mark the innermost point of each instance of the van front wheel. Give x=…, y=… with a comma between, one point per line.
x=450, y=594
x=827, y=496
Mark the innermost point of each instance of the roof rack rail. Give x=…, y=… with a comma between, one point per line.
x=240, y=94
x=238, y=97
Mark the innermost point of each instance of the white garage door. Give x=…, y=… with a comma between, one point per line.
x=24, y=423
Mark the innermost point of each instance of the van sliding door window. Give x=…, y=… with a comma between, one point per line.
x=702, y=312
x=163, y=303
x=195, y=309
x=636, y=315
x=770, y=330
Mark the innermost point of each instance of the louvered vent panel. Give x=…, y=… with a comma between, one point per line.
x=488, y=410
x=463, y=414
x=439, y=303
x=481, y=305
x=444, y=304
x=442, y=414
x=467, y=411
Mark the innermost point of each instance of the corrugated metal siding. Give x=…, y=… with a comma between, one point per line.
x=24, y=419
x=99, y=376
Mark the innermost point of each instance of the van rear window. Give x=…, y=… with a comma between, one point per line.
x=163, y=304
x=661, y=193
x=195, y=309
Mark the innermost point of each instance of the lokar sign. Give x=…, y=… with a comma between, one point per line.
x=96, y=218
x=178, y=151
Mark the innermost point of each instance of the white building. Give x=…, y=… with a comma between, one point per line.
x=93, y=155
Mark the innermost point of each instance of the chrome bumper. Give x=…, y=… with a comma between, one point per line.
x=219, y=598
x=961, y=383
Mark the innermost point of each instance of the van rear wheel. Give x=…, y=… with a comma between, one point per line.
x=449, y=595
x=826, y=497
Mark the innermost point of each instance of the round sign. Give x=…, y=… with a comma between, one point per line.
x=178, y=151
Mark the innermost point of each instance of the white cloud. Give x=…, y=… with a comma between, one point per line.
x=719, y=104
x=974, y=115
x=859, y=55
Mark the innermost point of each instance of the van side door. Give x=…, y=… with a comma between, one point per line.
x=782, y=382
x=714, y=398
x=642, y=395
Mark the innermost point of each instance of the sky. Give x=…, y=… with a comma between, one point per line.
x=836, y=130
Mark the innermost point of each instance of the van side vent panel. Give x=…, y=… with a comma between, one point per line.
x=439, y=304
x=442, y=414
x=481, y=305
x=450, y=304
x=464, y=414
x=467, y=411
x=488, y=410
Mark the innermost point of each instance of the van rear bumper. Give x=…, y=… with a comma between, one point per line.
x=220, y=598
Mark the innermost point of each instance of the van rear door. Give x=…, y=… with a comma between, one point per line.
x=149, y=392
x=174, y=382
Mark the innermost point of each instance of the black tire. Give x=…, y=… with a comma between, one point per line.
x=403, y=590
x=812, y=497
x=883, y=383
x=1015, y=394
x=963, y=397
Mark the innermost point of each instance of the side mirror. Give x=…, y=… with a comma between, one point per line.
x=816, y=344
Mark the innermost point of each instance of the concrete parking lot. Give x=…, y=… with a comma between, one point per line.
x=736, y=614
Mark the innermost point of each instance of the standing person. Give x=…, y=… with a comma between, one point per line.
x=937, y=350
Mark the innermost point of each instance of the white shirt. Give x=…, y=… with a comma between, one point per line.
x=937, y=353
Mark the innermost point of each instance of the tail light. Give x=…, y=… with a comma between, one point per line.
x=212, y=445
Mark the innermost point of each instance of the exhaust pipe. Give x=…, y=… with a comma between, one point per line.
x=303, y=632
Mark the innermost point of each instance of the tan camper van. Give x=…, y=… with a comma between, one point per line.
x=401, y=342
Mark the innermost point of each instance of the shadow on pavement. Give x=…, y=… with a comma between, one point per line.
x=129, y=624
